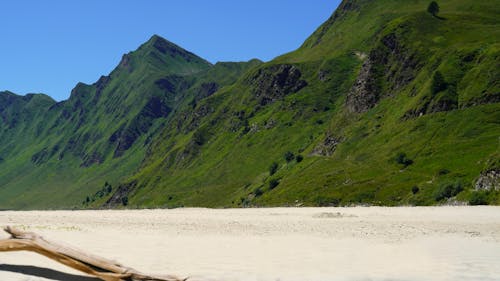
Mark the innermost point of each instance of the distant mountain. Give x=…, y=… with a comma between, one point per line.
x=385, y=104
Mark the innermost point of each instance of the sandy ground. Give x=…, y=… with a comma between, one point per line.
x=285, y=244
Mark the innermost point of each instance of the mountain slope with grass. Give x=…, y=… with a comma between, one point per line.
x=385, y=104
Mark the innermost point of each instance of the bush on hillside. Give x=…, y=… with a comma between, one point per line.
x=125, y=201
x=438, y=83
x=273, y=183
x=415, y=189
x=478, y=198
x=433, y=8
x=299, y=158
x=402, y=158
x=448, y=190
x=273, y=168
x=289, y=156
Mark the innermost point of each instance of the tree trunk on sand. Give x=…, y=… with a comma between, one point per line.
x=104, y=269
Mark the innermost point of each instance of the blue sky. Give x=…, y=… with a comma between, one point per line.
x=48, y=46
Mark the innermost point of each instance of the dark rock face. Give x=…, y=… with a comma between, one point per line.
x=173, y=84
x=275, y=82
x=388, y=64
x=155, y=108
x=166, y=47
x=489, y=180
x=327, y=147
x=491, y=98
x=126, y=135
x=40, y=157
x=401, y=65
x=365, y=92
x=120, y=194
x=125, y=63
x=90, y=159
x=100, y=85
x=443, y=104
x=207, y=89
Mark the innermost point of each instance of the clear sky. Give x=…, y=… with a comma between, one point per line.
x=48, y=46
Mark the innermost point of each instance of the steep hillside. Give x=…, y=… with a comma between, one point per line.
x=384, y=104
x=55, y=154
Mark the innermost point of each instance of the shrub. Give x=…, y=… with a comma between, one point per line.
x=258, y=192
x=125, y=201
x=448, y=190
x=438, y=83
x=273, y=183
x=415, y=189
x=402, y=159
x=442, y=172
x=273, y=168
x=299, y=158
x=433, y=8
x=324, y=201
x=289, y=156
x=478, y=198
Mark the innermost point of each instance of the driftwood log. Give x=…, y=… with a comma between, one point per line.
x=101, y=268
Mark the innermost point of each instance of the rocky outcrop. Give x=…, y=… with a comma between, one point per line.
x=327, y=147
x=488, y=180
x=125, y=136
x=207, y=89
x=389, y=66
x=90, y=159
x=173, y=84
x=40, y=157
x=166, y=47
x=275, y=82
x=125, y=63
x=365, y=92
x=99, y=87
x=120, y=196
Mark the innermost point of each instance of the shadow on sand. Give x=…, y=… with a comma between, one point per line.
x=45, y=273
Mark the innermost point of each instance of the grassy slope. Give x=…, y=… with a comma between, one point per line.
x=231, y=168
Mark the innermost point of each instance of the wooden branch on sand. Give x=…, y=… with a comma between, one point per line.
x=101, y=268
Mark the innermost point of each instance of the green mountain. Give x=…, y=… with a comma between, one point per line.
x=385, y=104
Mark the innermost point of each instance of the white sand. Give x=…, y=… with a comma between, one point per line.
x=286, y=244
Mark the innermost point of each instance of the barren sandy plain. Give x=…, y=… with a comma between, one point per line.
x=270, y=244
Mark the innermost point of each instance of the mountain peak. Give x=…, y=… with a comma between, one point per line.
x=164, y=46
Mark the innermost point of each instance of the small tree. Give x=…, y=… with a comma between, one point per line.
x=273, y=183
x=415, y=189
x=289, y=156
x=433, y=8
x=402, y=159
x=299, y=158
x=125, y=201
x=438, y=83
x=273, y=168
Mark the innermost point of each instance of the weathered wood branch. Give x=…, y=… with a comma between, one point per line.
x=99, y=267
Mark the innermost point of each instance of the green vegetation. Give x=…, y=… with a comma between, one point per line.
x=289, y=156
x=382, y=105
x=273, y=183
x=402, y=159
x=448, y=190
x=273, y=168
x=433, y=8
x=478, y=198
